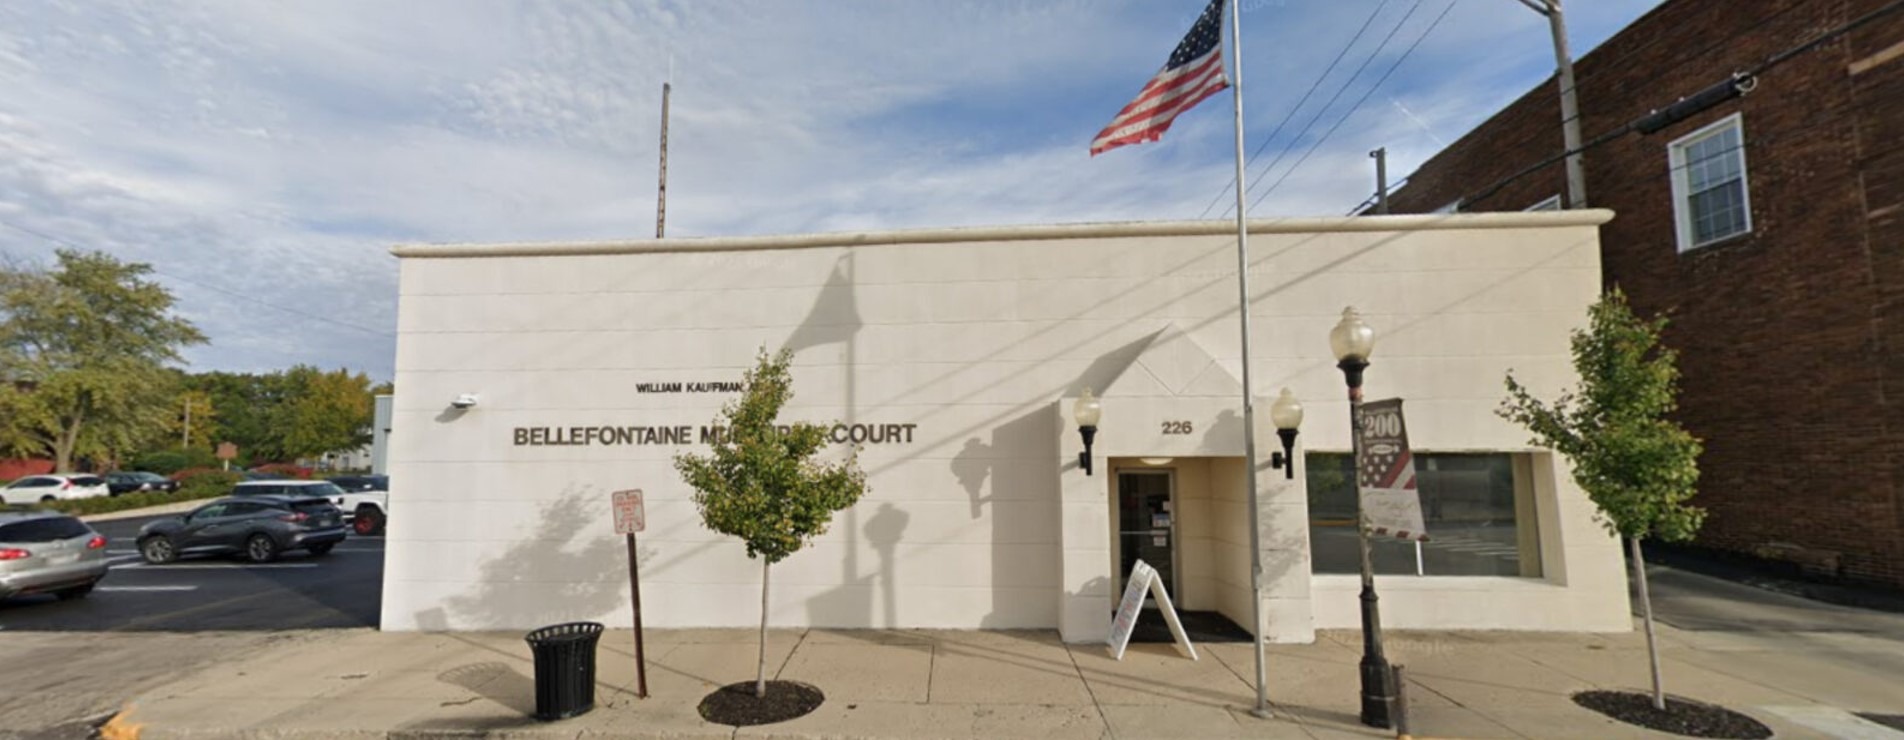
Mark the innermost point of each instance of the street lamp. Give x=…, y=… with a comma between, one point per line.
x=1352, y=341
x=1086, y=411
x=1286, y=412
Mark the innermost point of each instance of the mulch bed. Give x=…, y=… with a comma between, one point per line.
x=735, y=704
x=1682, y=716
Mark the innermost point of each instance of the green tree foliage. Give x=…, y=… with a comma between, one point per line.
x=193, y=420
x=1638, y=465
x=327, y=412
x=301, y=412
x=244, y=405
x=761, y=482
x=84, y=350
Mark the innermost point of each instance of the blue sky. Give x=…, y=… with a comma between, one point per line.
x=263, y=156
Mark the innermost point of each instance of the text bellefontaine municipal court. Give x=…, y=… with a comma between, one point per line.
x=613, y=436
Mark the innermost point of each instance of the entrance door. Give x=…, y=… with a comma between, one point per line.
x=1147, y=525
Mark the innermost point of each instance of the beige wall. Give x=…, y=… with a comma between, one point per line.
x=980, y=338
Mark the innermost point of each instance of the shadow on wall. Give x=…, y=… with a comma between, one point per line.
x=979, y=470
x=834, y=318
x=555, y=576
x=1227, y=430
x=884, y=531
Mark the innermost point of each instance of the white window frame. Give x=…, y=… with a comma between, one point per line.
x=1550, y=203
x=1676, y=161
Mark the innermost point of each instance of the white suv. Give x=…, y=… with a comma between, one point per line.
x=365, y=508
x=40, y=489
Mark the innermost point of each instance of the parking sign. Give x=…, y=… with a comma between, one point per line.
x=629, y=517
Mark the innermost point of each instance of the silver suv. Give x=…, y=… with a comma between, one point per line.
x=45, y=552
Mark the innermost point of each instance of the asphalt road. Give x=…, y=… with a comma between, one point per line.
x=342, y=589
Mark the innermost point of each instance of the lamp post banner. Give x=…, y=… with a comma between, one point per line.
x=1390, y=503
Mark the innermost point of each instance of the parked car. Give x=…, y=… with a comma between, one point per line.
x=134, y=481
x=40, y=489
x=46, y=552
x=257, y=528
x=366, y=509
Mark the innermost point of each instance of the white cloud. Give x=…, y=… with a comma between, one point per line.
x=264, y=155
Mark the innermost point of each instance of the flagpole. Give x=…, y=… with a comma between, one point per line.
x=1249, y=401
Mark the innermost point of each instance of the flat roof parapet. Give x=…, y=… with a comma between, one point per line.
x=1031, y=232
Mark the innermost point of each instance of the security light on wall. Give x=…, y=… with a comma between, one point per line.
x=1286, y=412
x=1086, y=412
x=464, y=400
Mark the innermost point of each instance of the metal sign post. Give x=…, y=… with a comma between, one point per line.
x=629, y=519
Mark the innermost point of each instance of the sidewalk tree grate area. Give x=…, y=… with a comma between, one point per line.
x=736, y=705
x=1682, y=716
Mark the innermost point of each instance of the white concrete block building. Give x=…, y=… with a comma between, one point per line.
x=954, y=355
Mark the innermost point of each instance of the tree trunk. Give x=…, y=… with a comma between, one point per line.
x=760, y=682
x=63, y=445
x=1646, y=615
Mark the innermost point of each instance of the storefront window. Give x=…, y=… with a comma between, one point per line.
x=1478, y=508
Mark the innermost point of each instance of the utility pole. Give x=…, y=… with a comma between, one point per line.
x=1381, y=180
x=185, y=437
x=1569, y=100
x=661, y=191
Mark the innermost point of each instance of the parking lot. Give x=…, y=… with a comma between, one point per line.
x=342, y=589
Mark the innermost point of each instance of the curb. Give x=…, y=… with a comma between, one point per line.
x=171, y=508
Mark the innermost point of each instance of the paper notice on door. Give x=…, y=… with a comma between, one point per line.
x=1160, y=540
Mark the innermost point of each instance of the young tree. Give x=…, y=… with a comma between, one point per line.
x=761, y=482
x=83, y=354
x=1636, y=464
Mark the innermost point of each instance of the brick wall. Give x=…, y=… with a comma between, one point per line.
x=1790, y=336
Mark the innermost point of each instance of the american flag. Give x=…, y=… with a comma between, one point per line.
x=1194, y=72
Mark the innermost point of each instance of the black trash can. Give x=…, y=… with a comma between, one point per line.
x=564, y=668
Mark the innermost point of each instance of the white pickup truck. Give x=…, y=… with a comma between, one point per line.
x=364, y=499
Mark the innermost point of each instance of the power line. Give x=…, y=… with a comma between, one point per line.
x=1604, y=68
x=1738, y=84
x=1292, y=111
x=207, y=286
x=1307, y=127
x=1358, y=104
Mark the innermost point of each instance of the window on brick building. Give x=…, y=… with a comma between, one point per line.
x=1478, y=508
x=1552, y=203
x=1711, y=201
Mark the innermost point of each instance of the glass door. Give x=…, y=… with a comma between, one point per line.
x=1147, y=525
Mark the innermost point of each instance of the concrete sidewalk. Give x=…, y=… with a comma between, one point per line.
x=957, y=684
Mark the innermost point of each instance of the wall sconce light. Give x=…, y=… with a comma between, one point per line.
x=1086, y=411
x=464, y=400
x=1286, y=412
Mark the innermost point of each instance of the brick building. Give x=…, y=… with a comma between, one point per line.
x=1770, y=229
